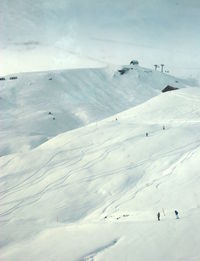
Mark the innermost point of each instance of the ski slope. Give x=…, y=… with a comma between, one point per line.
x=93, y=193
x=74, y=98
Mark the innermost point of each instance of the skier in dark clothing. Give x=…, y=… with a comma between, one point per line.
x=158, y=215
x=176, y=213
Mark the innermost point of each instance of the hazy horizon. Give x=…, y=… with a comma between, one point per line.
x=71, y=34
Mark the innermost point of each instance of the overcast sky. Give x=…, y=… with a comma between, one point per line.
x=48, y=34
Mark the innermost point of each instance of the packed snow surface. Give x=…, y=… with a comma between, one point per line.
x=93, y=193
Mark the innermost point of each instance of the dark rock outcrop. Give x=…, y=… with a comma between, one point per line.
x=123, y=70
x=169, y=88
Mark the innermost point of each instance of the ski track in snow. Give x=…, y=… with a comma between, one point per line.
x=80, y=181
x=24, y=182
x=131, y=195
x=54, y=186
x=61, y=182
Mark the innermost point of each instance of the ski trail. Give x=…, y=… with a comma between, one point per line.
x=120, y=199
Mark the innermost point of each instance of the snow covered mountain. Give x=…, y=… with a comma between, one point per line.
x=93, y=193
x=91, y=158
x=48, y=34
x=37, y=106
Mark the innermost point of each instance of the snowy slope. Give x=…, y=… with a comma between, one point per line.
x=93, y=193
x=74, y=97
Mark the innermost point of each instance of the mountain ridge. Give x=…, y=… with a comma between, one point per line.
x=38, y=106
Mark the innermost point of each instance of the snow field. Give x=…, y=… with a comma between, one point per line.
x=93, y=193
x=39, y=106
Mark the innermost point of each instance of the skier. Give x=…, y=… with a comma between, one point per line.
x=163, y=127
x=158, y=215
x=176, y=213
x=147, y=134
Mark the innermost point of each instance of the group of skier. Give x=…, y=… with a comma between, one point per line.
x=176, y=214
